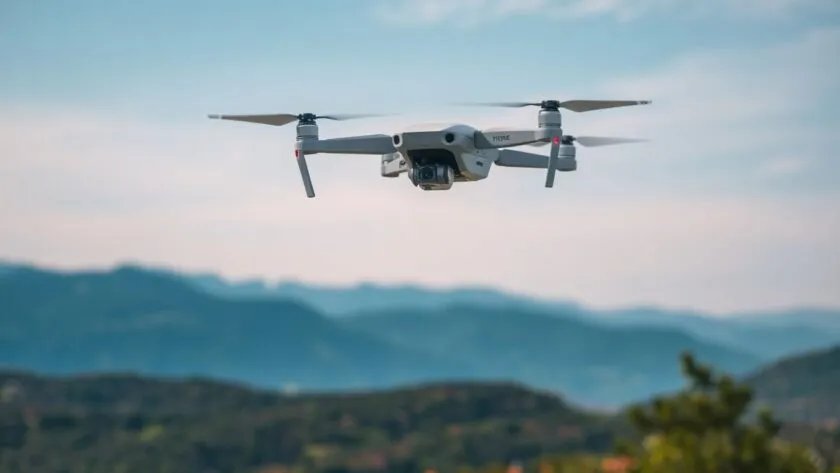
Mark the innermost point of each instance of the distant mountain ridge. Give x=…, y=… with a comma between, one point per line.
x=340, y=301
x=767, y=335
x=131, y=319
x=581, y=358
x=163, y=322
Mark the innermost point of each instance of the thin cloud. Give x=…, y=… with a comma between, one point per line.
x=783, y=167
x=475, y=12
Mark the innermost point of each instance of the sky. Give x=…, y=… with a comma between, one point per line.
x=107, y=157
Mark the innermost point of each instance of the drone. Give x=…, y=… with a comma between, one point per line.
x=437, y=156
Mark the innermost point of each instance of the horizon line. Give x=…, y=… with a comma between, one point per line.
x=516, y=296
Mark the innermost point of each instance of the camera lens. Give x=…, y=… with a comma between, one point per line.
x=427, y=173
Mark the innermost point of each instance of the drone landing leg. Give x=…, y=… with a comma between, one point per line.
x=549, y=179
x=551, y=168
x=304, y=173
x=552, y=162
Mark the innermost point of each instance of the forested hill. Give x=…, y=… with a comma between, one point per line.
x=131, y=424
x=805, y=386
x=125, y=423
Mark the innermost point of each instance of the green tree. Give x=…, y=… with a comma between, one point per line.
x=703, y=428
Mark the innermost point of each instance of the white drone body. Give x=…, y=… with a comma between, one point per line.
x=435, y=157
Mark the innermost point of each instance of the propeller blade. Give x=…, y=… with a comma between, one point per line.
x=274, y=119
x=499, y=104
x=280, y=119
x=589, y=105
x=573, y=105
x=590, y=141
x=348, y=116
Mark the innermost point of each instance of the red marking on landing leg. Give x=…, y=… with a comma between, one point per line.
x=297, y=154
x=556, y=140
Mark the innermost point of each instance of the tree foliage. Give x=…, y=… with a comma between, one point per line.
x=709, y=427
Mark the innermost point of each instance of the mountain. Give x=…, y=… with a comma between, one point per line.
x=132, y=320
x=605, y=366
x=821, y=319
x=339, y=301
x=108, y=423
x=804, y=387
x=8, y=268
x=768, y=335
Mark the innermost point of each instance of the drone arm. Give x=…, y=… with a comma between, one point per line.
x=520, y=159
x=367, y=144
x=493, y=138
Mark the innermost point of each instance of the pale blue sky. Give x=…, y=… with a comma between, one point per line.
x=192, y=54
x=107, y=155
